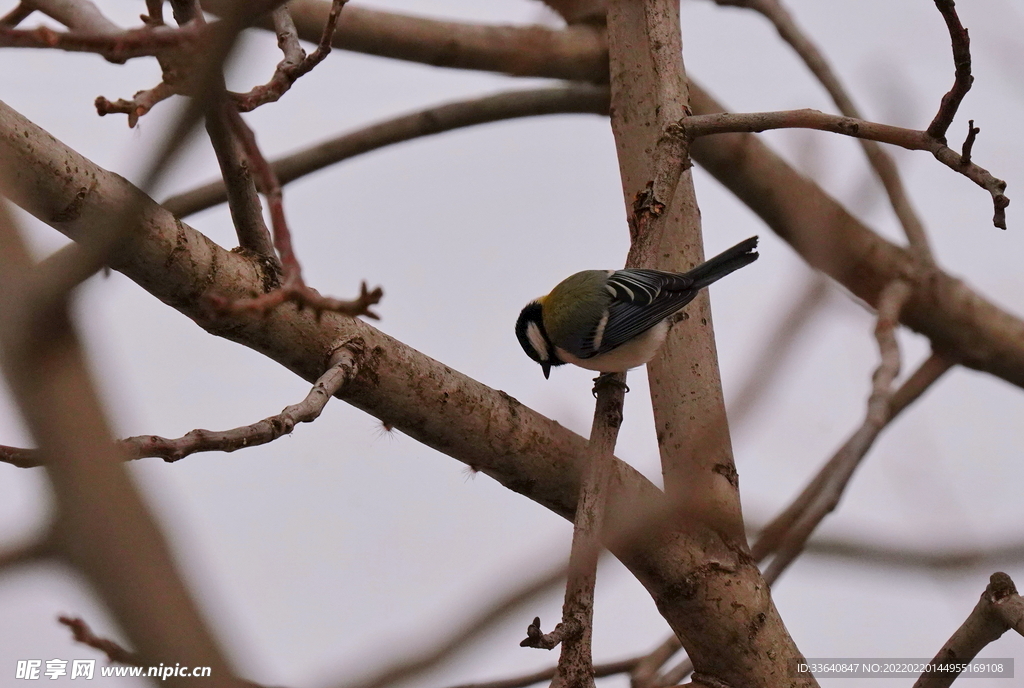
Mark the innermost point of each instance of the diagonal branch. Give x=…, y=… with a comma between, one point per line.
x=83, y=634
x=343, y=367
x=787, y=533
x=295, y=63
x=999, y=610
x=20, y=13
x=575, y=53
x=575, y=98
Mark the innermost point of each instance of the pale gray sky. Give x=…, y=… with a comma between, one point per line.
x=342, y=546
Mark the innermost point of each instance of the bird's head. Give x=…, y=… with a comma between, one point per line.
x=534, y=338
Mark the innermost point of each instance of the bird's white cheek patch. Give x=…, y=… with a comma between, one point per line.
x=537, y=341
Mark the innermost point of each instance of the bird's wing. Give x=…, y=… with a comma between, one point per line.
x=640, y=300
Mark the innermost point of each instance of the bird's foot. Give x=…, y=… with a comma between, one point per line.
x=609, y=379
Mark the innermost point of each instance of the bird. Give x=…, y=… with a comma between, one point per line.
x=611, y=321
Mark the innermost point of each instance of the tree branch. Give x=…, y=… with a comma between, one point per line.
x=962, y=62
x=83, y=634
x=574, y=98
x=575, y=53
x=295, y=63
x=910, y=139
x=956, y=319
x=999, y=609
x=576, y=663
x=265, y=431
x=77, y=15
x=788, y=532
x=19, y=14
x=649, y=95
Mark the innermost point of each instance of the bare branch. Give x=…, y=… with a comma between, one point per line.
x=240, y=189
x=19, y=14
x=910, y=139
x=83, y=634
x=962, y=62
x=972, y=134
x=576, y=53
x=876, y=554
x=999, y=609
x=645, y=673
x=78, y=15
x=263, y=432
x=295, y=63
x=538, y=639
x=119, y=47
x=435, y=120
x=36, y=550
x=788, y=532
x=141, y=103
x=575, y=663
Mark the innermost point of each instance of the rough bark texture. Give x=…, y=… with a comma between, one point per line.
x=717, y=604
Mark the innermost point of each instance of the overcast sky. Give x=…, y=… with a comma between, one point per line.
x=342, y=546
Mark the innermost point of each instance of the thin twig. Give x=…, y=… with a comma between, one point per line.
x=999, y=609
x=575, y=98
x=962, y=62
x=911, y=139
x=295, y=63
x=880, y=555
x=972, y=134
x=262, y=432
x=575, y=663
x=83, y=634
x=880, y=161
x=139, y=104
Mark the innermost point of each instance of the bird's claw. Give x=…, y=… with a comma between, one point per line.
x=608, y=379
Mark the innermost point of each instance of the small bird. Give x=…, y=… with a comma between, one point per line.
x=614, y=320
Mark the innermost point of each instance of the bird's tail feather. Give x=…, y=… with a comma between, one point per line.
x=730, y=260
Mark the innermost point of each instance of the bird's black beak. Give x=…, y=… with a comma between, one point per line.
x=547, y=369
